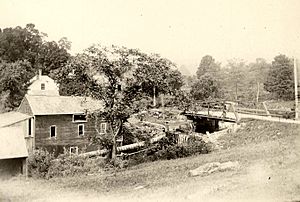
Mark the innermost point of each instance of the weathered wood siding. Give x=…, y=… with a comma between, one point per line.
x=25, y=107
x=66, y=132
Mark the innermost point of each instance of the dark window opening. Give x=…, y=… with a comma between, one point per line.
x=79, y=118
x=80, y=129
x=43, y=87
x=119, y=87
x=29, y=127
x=52, y=131
x=73, y=150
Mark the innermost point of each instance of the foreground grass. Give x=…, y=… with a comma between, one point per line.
x=273, y=144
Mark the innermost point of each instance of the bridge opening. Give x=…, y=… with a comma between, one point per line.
x=202, y=125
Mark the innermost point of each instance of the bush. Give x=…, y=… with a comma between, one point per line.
x=167, y=149
x=39, y=162
x=43, y=164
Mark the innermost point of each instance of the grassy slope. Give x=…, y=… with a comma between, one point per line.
x=268, y=153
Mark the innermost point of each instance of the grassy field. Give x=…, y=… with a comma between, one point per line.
x=267, y=152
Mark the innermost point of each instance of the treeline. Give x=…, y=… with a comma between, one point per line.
x=237, y=81
x=25, y=50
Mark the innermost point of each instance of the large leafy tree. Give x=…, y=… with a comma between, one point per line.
x=51, y=56
x=207, y=84
x=120, y=77
x=116, y=87
x=76, y=77
x=208, y=65
x=18, y=45
x=256, y=77
x=206, y=87
x=14, y=79
x=157, y=75
x=235, y=79
x=29, y=44
x=280, y=80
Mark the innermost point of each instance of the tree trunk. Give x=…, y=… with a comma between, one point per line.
x=154, y=98
x=114, y=148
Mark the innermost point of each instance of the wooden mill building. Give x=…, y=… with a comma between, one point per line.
x=59, y=122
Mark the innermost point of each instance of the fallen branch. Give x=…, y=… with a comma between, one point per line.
x=122, y=148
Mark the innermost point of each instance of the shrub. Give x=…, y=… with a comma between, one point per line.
x=43, y=164
x=67, y=165
x=39, y=163
x=167, y=149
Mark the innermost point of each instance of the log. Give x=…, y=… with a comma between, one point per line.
x=122, y=148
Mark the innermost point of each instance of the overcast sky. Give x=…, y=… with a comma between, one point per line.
x=183, y=31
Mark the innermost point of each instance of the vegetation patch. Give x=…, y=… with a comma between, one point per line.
x=43, y=164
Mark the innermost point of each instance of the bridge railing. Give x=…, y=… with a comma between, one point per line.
x=244, y=107
x=209, y=107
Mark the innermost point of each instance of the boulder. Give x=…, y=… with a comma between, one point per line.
x=209, y=168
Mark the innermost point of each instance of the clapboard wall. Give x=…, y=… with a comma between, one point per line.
x=66, y=132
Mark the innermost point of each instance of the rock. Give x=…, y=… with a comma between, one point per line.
x=139, y=187
x=209, y=168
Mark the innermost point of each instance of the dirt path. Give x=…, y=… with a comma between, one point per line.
x=266, y=118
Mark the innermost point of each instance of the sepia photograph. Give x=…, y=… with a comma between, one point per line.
x=162, y=100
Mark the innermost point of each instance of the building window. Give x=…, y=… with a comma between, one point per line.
x=73, y=150
x=43, y=86
x=29, y=127
x=103, y=128
x=79, y=118
x=81, y=129
x=52, y=131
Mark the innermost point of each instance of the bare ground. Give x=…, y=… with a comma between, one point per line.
x=267, y=152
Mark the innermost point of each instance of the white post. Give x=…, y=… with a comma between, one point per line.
x=296, y=88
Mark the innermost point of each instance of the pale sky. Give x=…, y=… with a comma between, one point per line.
x=183, y=31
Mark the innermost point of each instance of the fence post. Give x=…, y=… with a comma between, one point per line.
x=235, y=113
x=266, y=109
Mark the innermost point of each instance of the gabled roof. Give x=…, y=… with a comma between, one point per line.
x=9, y=118
x=12, y=143
x=41, y=77
x=50, y=105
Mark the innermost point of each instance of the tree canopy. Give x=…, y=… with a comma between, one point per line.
x=208, y=65
x=14, y=77
x=20, y=46
x=115, y=87
x=206, y=87
x=207, y=84
x=156, y=72
x=280, y=80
